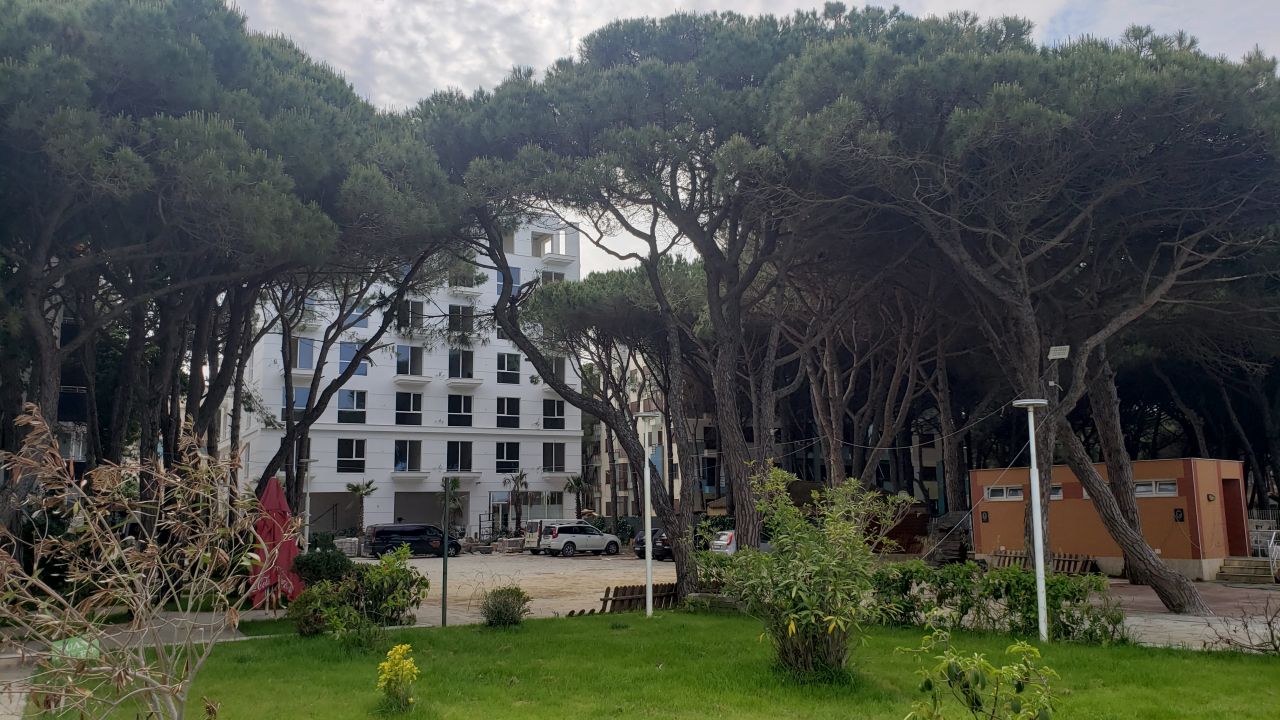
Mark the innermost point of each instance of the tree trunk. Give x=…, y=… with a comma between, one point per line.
x=733, y=444
x=954, y=476
x=1174, y=590
x=1105, y=404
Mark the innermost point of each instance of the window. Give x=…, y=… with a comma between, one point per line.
x=299, y=404
x=408, y=408
x=359, y=318
x=350, y=455
x=509, y=243
x=508, y=457
x=408, y=360
x=1055, y=492
x=553, y=457
x=515, y=280
x=1156, y=488
x=1004, y=492
x=351, y=406
x=549, y=277
x=347, y=352
x=460, y=365
x=508, y=412
x=462, y=275
x=408, y=456
x=458, y=456
x=543, y=243
x=412, y=314
x=460, y=410
x=303, y=351
x=553, y=414
x=502, y=334
x=509, y=368
x=461, y=318
x=557, y=368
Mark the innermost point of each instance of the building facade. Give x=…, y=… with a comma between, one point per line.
x=420, y=412
x=1192, y=511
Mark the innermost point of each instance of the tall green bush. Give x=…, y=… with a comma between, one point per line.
x=814, y=590
x=320, y=565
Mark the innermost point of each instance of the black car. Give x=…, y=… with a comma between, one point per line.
x=661, y=545
x=422, y=539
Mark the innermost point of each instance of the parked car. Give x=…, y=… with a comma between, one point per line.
x=534, y=536
x=726, y=543
x=661, y=545
x=571, y=539
x=422, y=539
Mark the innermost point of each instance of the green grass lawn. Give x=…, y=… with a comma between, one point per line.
x=680, y=665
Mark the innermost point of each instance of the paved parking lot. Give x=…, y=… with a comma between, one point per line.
x=557, y=585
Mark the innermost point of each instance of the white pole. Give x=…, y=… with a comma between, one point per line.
x=1037, y=529
x=648, y=537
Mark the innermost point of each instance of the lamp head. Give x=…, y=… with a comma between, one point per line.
x=1031, y=403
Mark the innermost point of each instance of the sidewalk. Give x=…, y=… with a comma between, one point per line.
x=1150, y=623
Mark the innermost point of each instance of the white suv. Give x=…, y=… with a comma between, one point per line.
x=569, y=540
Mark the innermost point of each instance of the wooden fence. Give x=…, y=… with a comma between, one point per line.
x=626, y=598
x=1065, y=564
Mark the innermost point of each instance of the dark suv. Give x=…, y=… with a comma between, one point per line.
x=421, y=539
x=661, y=545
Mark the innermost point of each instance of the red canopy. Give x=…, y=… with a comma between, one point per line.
x=275, y=580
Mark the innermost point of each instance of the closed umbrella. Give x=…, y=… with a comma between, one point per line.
x=275, y=579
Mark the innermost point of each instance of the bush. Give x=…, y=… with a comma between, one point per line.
x=815, y=590
x=320, y=565
x=310, y=610
x=959, y=685
x=355, y=632
x=1004, y=600
x=381, y=594
x=389, y=590
x=321, y=541
x=505, y=606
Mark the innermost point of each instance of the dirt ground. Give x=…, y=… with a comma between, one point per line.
x=557, y=584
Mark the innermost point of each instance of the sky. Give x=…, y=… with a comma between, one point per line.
x=396, y=52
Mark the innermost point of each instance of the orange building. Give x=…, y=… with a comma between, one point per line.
x=1193, y=514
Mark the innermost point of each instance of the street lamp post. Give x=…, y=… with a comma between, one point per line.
x=648, y=520
x=1037, y=528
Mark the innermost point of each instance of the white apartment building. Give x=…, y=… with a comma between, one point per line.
x=420, y=412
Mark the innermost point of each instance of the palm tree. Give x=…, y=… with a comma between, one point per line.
x=450, y=487
x=518, y=483
x=579, y=486
x=361, y=490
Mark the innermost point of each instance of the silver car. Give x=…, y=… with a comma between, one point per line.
x=725, y=542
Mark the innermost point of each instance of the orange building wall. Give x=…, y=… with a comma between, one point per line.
x=1074, y=526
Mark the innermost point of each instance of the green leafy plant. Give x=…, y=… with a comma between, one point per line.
x=311, y=610
x=396, y=677
x=320, y=565
x=814, y=591
x=353, y=631
x=1001, y=600
x=505, y=606
x=959, y=685
x=390, y=589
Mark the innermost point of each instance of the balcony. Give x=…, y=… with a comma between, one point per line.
x=409, y=475
x=466, y=291
x=464, y=382
x=546, y=388
x=557, y=259
x=411, y=379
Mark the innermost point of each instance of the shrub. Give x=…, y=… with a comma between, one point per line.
x=353, y=631
x=959, y=685
x=396, y=676
x=320, y=565
x=505, y=606
x=310, y=611
x=815, y=590
x=381, y=594
x=322, y=541
x=1004, y=600
x=390, y=589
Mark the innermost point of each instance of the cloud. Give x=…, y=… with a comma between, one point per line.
x=396, y=52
